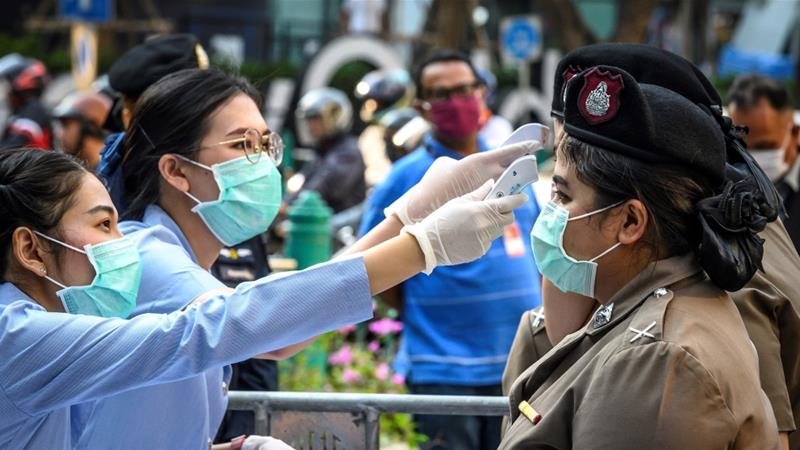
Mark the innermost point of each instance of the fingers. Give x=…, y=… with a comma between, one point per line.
x=509, y=203
x=510, y=153
x=481, y=192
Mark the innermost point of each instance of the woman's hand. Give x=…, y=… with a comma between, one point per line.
x=264, y=443
x=463, y=229
x=447, y=179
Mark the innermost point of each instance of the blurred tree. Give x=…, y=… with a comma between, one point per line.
x=565, y=19
x=449, y=25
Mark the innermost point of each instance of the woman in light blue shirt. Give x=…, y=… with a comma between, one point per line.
x=62, y=252
x=57, y=227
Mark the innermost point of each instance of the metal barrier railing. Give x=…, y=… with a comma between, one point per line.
x=339, y=421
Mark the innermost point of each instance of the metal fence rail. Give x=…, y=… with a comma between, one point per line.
x=338, y=421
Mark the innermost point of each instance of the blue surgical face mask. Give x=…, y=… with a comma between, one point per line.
x=113, y=291
x=249, y=199
x=547, y=241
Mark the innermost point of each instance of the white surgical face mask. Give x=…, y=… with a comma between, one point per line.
x=772, y=162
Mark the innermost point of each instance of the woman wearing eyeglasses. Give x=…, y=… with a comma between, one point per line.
x=199, y=173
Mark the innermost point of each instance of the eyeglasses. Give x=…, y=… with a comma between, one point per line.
x=254, y=144
x=462, y=90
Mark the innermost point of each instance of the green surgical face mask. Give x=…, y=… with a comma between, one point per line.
x=547, y=241
x=249, y=199
x=113, y=291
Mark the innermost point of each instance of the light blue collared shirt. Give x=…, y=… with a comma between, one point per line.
x=183, y=414
x=50, y=361
x=171, y=279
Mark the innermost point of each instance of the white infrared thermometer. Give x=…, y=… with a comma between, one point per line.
x=528, y=132
x=516, y=177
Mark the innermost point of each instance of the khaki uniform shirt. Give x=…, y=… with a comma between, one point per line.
x=770, y=308
x=667, y=363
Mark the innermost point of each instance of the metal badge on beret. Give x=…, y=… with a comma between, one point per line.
x=599, y=100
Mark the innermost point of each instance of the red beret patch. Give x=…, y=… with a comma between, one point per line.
x=599, y=98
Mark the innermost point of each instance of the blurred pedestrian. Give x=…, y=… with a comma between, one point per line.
x=29, y=124
x=337, y=173
x=82, y=116
x=458, y=322
x=381, y=93
x=762, y=105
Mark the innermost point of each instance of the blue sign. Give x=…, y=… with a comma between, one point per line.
x=86, y=10
x=521, y=38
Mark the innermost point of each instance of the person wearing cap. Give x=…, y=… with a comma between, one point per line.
x=770, y=302
x=135, y=71
x=644, y=219
x=82, y=117
x=29, y=124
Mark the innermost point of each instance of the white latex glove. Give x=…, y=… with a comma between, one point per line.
x=264, y=443
x=447, y=179
x=463, y=229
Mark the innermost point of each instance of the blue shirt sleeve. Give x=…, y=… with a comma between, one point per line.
x=405, y=173
x=52, y=360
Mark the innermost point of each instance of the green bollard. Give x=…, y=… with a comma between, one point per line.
x=308, y=241
x=308, y=234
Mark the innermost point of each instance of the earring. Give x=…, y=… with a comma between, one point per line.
x=43, y=270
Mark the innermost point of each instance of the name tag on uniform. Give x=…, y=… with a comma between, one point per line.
x=512, y=239
x=527, y=410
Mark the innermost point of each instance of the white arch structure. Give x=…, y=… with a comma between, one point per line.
x=347, y=49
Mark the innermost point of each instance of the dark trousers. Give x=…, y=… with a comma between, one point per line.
x=458, y=432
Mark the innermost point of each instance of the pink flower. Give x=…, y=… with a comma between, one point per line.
x=373, y=346
x=382, y=371
x=341, y=357
x=350, y=376
x=398, y=380
x=347, y=329
x=385, y=326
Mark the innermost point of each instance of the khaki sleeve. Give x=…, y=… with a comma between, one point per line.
x=759, y=304
x=530, y=344
x=657, y=396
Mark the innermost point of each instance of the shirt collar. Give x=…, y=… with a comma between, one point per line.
x=154, y=215
x=438, y=149
x=658, y=274
x=9, y=294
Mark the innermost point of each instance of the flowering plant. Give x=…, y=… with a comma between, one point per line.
x=356, y=358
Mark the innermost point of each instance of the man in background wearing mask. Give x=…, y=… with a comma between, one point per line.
x=762, y=105
x=459, y=322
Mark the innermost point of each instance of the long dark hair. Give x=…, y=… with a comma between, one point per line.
x=172, y=116
x=36, y=188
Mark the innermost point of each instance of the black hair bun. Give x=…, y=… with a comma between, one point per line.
x=730, y=250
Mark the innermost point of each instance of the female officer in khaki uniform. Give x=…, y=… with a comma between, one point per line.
x=642, y=220
x=769, y=304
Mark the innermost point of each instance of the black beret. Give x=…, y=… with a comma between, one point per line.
x=606, y=107
x=647, y=64
x=143, y=65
